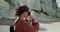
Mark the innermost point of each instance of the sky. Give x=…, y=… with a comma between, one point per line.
x=58, y=2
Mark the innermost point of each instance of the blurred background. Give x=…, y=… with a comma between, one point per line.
x=47, y=12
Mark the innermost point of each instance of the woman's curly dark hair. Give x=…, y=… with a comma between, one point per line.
x=20, y=10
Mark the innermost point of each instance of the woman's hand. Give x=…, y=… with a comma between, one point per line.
x=31, y=16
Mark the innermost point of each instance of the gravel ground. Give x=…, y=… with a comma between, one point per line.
x=44, y=27
x=50, y=27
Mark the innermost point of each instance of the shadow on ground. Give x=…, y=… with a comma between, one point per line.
x=6, y=21
x=48, y=22
x=42, y=29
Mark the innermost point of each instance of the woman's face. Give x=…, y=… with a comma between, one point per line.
x=25, y=14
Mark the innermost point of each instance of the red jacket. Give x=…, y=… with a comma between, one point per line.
x=24, y=26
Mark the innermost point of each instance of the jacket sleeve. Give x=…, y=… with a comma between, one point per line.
x=35, y=24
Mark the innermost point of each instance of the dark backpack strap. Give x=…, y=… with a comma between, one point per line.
x=11, y=28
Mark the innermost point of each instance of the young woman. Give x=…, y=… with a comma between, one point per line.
x=22, y=24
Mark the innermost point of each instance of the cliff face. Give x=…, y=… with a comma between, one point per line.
x=7, y=8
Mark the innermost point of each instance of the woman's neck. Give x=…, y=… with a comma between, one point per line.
x=22, y=17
